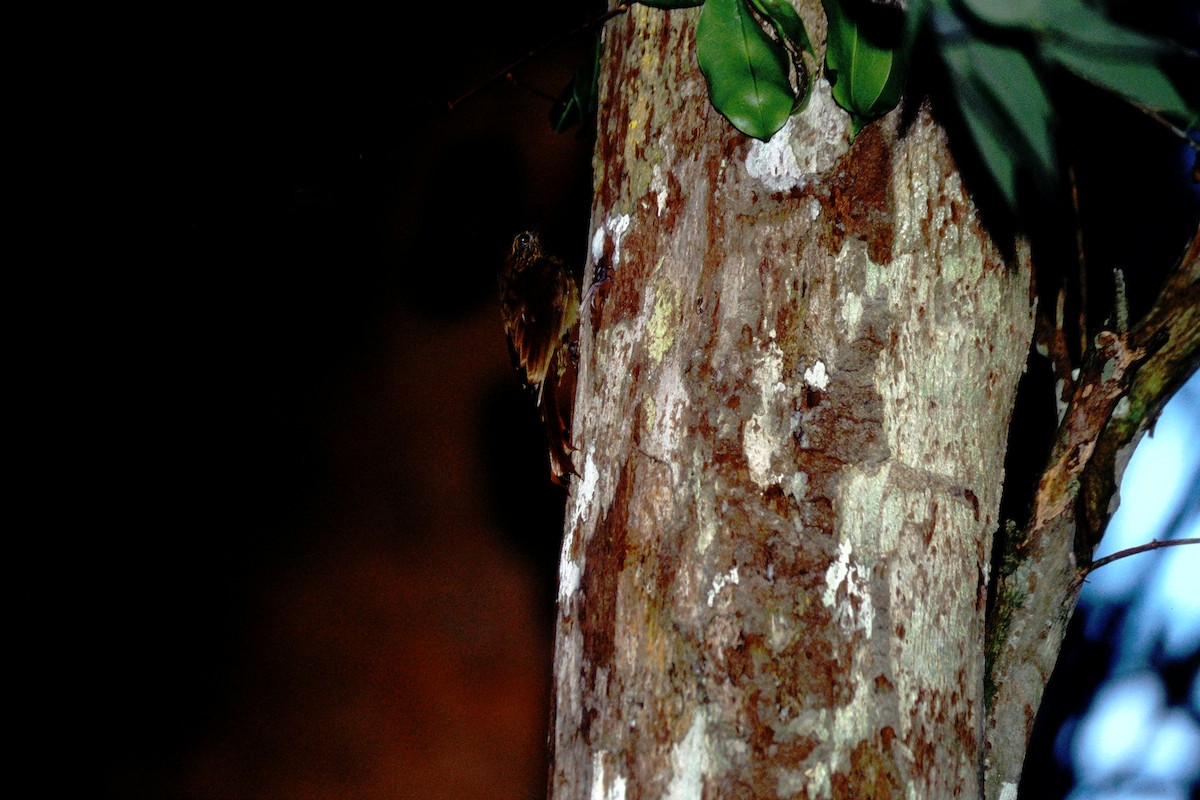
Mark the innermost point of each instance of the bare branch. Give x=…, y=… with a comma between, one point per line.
x=1153, y=544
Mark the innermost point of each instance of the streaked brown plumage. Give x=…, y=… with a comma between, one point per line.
x=539, y=300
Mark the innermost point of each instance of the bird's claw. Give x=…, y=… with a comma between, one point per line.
x=602, y=274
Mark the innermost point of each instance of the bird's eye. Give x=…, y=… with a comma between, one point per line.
x=523, y=239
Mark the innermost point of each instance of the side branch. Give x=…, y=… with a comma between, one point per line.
x=1153, y=544
x=1125, y=379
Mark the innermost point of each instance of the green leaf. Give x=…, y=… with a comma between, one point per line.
x=746, y=71
x=577, y=101
x=1000, y=159
x=1031, y=14
x=1006, y=109
x=998, y=76
x=1008, y=81
x=1138, y=80
x=867, y=78
x=671, y=3
x=1087, y=28
x=790, y=27
x=787, y=23
x=984, y=124
x=915, y=17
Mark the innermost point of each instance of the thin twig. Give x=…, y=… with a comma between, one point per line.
x=1083, y=328
x=1153, y=544
x=533, y=89
x=1174, y=129
x=506, y=72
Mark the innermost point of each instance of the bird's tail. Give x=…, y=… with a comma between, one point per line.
x=557, y=400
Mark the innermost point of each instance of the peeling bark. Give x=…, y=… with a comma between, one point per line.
x=793, y=404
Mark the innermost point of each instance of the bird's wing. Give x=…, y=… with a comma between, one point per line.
x=548, y=312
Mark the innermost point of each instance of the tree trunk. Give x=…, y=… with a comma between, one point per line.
x=793, y=404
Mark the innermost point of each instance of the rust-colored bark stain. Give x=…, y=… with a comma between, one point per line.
x=767, y=751
x=854, y=432
x=872, y=774
x=850, y=433
x=633, y=273
x=605, y=557
x=859, y=202
x=789, y=317
x=931, y=716
x=670, y=212
x=817, y=673
x=615, y=116
x=714, y=253
x=830, y=436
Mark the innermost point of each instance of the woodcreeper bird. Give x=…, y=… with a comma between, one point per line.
x=539, y=300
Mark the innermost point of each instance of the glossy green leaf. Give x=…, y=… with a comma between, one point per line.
x=1005, y=105
x=787, y=23
x=867, y=79
x=1083, y=40
x=999, y=76
x=746, y=70
x=671, y=3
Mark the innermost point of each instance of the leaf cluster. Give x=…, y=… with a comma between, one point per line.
x=755, y=56
x=1001, y=58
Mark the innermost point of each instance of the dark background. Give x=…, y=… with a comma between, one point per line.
x=319, y=541
x=311, y=541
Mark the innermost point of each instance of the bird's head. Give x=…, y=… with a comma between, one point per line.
x=526, y=246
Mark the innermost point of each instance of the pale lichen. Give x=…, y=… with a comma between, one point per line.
x=758, y=445
x=854, y=610
x=870, y=517
x=587, y=486
x=660, y=329
x=690, y=760
x=705, y=493
x=604, y=788
x=761, y=432
x=774, y=162
x=617, y=225
x=816, y=376
x=720, y=581
x=660, y=187
x=852, y=311
x=798, y=486
x=598, y=239
x=666, y=431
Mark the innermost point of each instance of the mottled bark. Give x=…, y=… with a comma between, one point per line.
x=791, y=421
